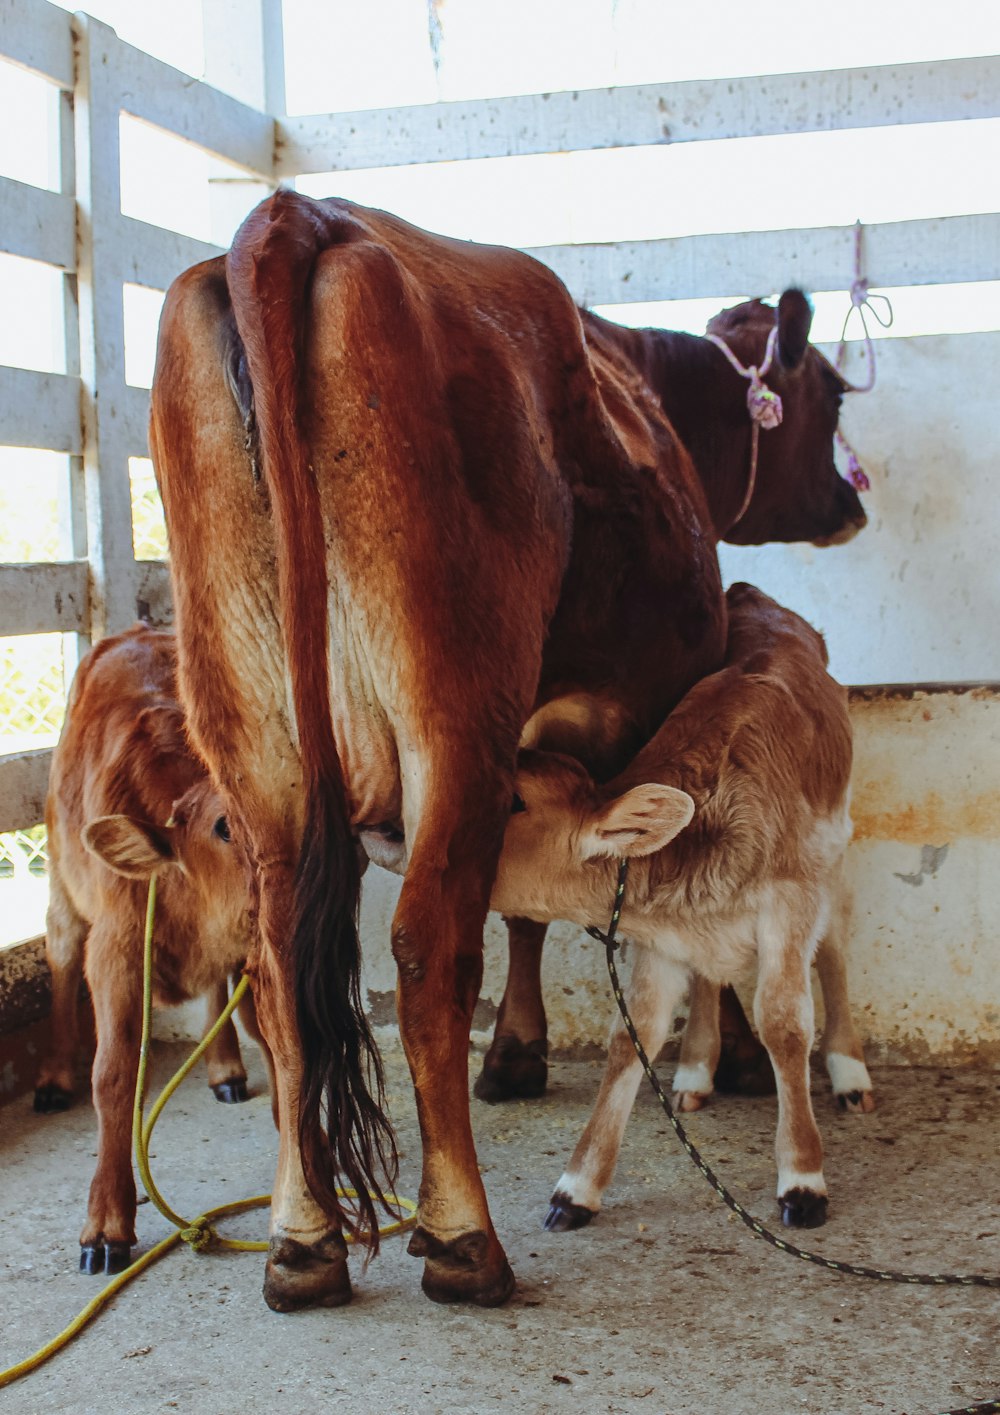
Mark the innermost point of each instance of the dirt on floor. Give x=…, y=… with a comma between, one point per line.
x=666, y=1303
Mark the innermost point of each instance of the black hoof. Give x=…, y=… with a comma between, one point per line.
x=513, y=1070
x=232, y=1092
x=801, y=1208
x=564, y=1215
x=51, y=1098
x=469, y=1268
x=105, y=1257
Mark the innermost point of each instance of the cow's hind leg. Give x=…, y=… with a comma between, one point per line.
x=437, y=940
x=65, y=936
x=841, y=1045
x=516, y=1065
x=656, y=988
x=226, y=1073
x=783, y=1009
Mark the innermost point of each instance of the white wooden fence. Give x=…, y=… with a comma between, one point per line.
x=92, y=414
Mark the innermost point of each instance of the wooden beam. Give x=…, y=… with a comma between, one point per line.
x=45, y=598
x=37, y=224
x=153, y=594
x=39, y=410
x=820, y=101
x=135, y=421
x=38, y=36
x=941, y=251
x=24, y=781
x=154, y=257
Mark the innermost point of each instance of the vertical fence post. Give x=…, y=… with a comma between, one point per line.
x=245, y=57
x=102, y=335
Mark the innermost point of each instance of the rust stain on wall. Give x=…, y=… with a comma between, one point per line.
x=878, y=815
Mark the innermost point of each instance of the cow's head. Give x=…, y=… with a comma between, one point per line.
x=194, y=852
x=799, y=494
x=563, y=823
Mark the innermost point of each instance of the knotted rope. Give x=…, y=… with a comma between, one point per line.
x=763, y=405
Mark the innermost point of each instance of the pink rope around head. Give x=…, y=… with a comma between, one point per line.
x=763, y=405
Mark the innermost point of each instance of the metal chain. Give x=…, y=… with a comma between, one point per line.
x=989, y=1407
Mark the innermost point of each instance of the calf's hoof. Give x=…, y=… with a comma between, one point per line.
x=306, y=1274
x=51, y=1098
x=564, y=1215
x=857, y=1102
x=802, y=1208
x=470, y=1268
x=688, y=1101
x=513, y=1070
x=231, y=1092
x=103, y=1257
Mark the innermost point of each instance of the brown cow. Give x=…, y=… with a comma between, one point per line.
x=760, y=755
x=796, y=495
x=127, y=799
x=407, y=506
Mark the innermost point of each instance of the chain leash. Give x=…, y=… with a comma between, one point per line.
x=989, y=1407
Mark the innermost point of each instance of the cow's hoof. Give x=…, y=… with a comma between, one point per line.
x=685, y=1102
x=563, y=1214
x=306, y=1274
x=802, y=1208
x=105, y=1257
x=857, y=1102
x=51, y=1098
x=743, y=1073
x=470, y=1268
x=513, y=1070
x=231, y=1092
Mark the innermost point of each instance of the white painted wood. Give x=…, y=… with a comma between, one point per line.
x=39, y=410
x=943, y=251
x=170, y=99
x=24, y=781
x=40, y=598
x=152, y=592
x=637, y=116
x=38, y=36
x=916, y=597
x=135, y=421
x=106, y=443
x=38, y=224
x=154, y=257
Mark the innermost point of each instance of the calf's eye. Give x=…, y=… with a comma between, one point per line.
x=221, y=829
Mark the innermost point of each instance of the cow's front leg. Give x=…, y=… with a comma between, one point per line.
x=783, y=1010
x=437, y=940
x=516, y=1065
x=655, y=990
x=114, y=975
x=307, y=1254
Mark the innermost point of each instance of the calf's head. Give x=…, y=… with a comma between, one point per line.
x=799, y=494
x=567, y=825
x=194, y=850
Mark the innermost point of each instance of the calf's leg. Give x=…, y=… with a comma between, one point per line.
x=114, y=974
x=783, y=1010
x=655, y=990
x=65, y=936
x=226, y=1074
x=516, y=1065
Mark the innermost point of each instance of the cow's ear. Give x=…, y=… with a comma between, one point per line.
x=794, y=323
x=638, y=823
x=132, y=848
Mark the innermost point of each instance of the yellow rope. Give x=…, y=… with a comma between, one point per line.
x=198, y=1233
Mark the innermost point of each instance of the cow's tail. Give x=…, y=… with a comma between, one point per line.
x=269, y=271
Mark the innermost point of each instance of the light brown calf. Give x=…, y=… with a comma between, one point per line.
x=122, y=770
x=736, y=819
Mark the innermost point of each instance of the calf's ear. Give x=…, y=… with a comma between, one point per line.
x=638, y=823
x=794, y=323
x=132, y=848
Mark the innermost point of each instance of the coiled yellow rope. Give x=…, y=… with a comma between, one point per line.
x=199, y=1232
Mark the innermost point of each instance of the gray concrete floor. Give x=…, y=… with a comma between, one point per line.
x=665, y=1304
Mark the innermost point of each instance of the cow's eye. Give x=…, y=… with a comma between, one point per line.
x=221, y=829
x=517, y=805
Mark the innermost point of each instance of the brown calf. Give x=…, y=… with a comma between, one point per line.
x=736, y=819
x=127, y=799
